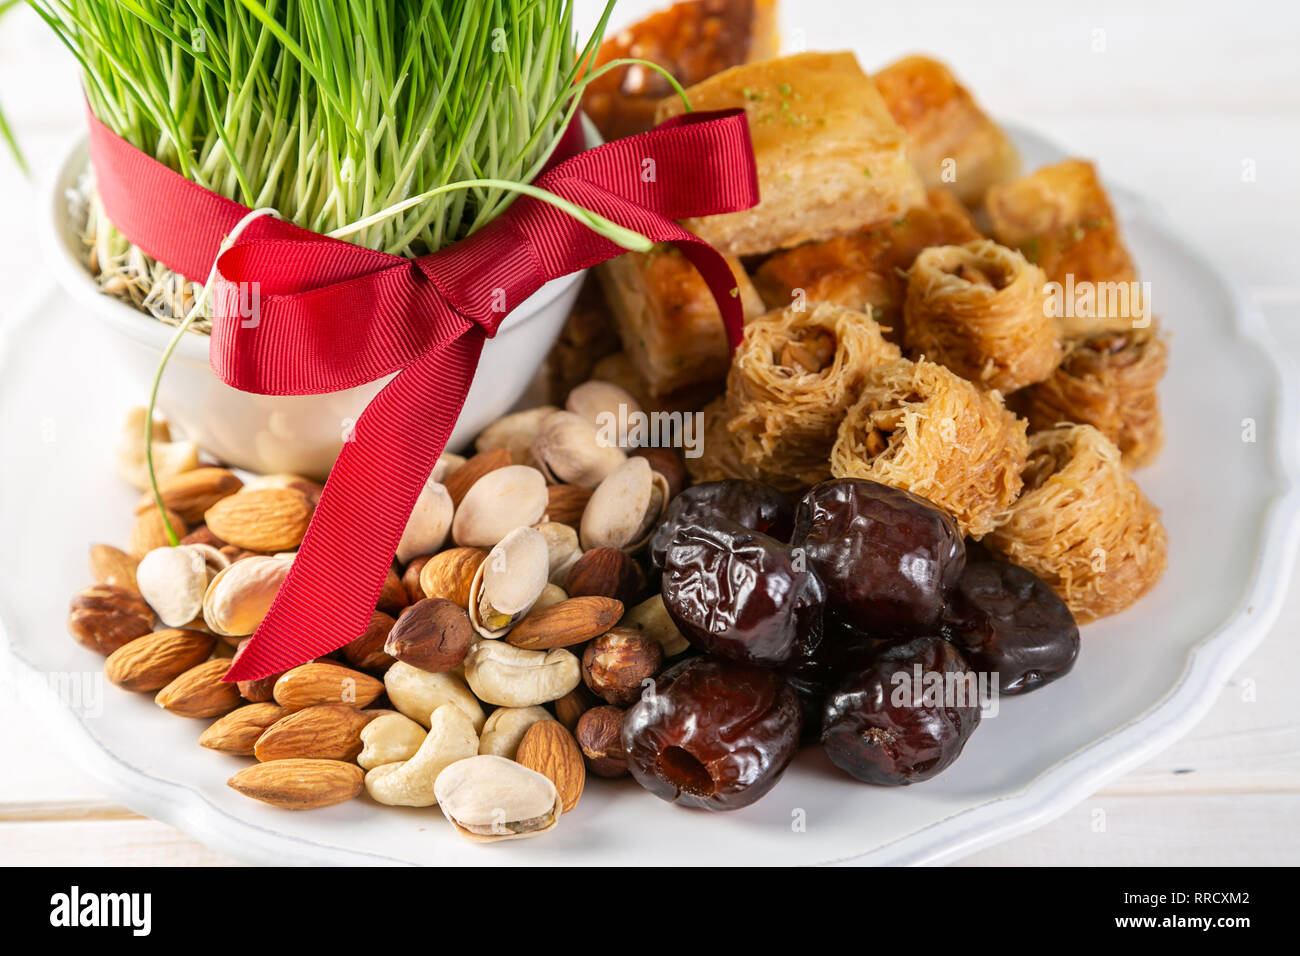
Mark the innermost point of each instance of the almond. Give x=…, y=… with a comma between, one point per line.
x=200, y=692
x=110, y=565
x=300, y=784
x=237, y=732
x=149, y=532
x=325, y=731
x=312, y=489
x=567, y=623
x=570, y=708
x=152, y=662
x=450, y=574
x=104, y=617
x=605, y=572
x=393, y=598
x=202, y=535
x=191, y=493
x=323, y=683
x=551, y=750
x=259, y=690
x=411, y=578
x=269, y=519
x=462, y=479
x=566, y=503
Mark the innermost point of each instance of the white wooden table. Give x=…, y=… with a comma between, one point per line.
x=1180, y=102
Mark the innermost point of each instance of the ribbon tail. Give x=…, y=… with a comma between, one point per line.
x=330, y=592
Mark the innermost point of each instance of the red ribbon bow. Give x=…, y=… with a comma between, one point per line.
x=334, y=315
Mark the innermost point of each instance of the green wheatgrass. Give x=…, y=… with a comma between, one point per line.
x=400, y=125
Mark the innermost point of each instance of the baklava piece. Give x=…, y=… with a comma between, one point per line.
x=952, y=142
x=831, y=160
x=1061, y=219
x=666, y=317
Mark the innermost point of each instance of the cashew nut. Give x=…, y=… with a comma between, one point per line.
x=389, y=738
x=173, y=580
x=417, y=693
x=510, y=676
x=169, y=457
x=410, y=783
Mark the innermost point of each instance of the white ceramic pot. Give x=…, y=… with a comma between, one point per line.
x=273, y=433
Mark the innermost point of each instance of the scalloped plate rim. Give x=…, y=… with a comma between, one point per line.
x=1048, y=795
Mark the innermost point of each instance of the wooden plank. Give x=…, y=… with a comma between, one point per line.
x=1221, y=830
x=138, y=842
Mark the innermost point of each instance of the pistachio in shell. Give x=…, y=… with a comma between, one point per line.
x=499, y=502
x=625, y=508
x=508, y=582
x=569, y=450
x=488, y=798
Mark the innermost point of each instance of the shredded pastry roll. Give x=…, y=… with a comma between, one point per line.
x=1083, y=525
x=791, y=382
x=720, y=457
x=867, y=269
x=1107, y=380
x=980, y=309
x=920, y=427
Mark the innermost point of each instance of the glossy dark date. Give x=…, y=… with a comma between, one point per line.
x=887, y=557
x=1008, y=621
x=757, y=506
x=715, y=734
x=740, y=594
x=881, y=727
x=816, y=672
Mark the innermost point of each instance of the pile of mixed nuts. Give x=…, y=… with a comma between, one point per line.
x=515, y=627
x=560, y=605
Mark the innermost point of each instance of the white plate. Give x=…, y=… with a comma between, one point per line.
x=1143, y=677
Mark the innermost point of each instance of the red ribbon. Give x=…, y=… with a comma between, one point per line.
x=334, y=315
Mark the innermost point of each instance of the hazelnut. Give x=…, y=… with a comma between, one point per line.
x=606, y=572
x=615, y=664
x=600, y=735
x=573, y=705
x=103, y=617
x=433, y=635
x=366, y=651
